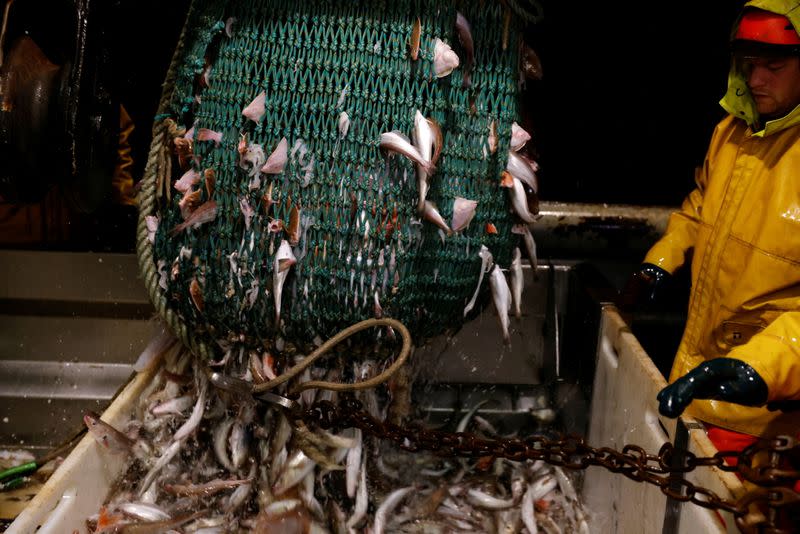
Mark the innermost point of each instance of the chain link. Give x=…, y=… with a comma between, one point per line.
x=664, y=470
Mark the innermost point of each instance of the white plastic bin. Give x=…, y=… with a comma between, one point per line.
x=623, y=411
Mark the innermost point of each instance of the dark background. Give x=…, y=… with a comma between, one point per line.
x=629, y=97
x=623, y=114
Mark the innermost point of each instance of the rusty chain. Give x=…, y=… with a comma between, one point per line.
x=663, y=470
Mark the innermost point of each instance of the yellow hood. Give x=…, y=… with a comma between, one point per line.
x=737, y=100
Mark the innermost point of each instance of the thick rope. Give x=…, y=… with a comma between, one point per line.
x=332, y=342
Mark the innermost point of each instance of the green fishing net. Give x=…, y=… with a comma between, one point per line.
x=346, y=208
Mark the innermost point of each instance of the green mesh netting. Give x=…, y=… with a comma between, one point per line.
x=361, y=239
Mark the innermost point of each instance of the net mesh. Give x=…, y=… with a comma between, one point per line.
x=347, y=208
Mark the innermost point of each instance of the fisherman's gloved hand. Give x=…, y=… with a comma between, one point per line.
x=642, y=287
x=723, y=379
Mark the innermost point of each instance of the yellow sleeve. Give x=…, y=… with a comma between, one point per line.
x=774, y=353
x=669, y=252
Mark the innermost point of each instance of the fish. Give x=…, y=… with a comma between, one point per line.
x=240, y=494
x=189, y=203
x=484, y=500
x=196, y=294
x=528, y=512
x=501, y=295
x=276, y=161
x=387, y=507
x=204, y=134
x=106, y=435
x=530, y=244
x=210, y=181
x=422, y=137
x=191, y=424
x=205, y=213
x=229, y=22
x=247, y=211
x=158, y=527
x=206, y=489
x=542, y=486
x=523, y=169
x=519, y=202
x=486, y=259
x=255, y=110
x=413, y=43
x=565, y=484
x=284, y=259
x=444, y=59
x=464, y=33
x=518, y=137
x=343, y=124
x=395, y=141
x=362, y=498
x=516, y=282
x=159, y=464
x=506, y=180
x=220, y=441
x=252, y=160
x=143, y=511
x=186, y=182
x=294, y=470
x=152, y=222
x=353, y=465
x=492, y=139
x=463, y=212
x=529, y=62
x=462, y=425
x=431, y=213
x=175, y=406
x=293, y=230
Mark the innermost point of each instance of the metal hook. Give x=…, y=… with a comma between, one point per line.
x=243, y=387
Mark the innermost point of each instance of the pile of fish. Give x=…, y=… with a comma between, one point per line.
x=205, y=460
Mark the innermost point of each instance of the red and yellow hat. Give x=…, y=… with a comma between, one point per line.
x=765, y=33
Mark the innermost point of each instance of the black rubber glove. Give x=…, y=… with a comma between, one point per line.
x=642, y=287
x=722, y=379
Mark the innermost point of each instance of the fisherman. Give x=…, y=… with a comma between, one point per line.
x=737, y=368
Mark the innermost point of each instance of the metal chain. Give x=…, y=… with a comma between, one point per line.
x=572, y=452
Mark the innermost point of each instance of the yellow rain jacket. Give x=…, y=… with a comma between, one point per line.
x=743, y=222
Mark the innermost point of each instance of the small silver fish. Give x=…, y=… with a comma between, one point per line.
x=284, y=259
x=516, y=282
x=486, y=259
x=431, y=213
x=395, y=141
x=484, y=500
x=501, y=295
x=519, y=202
x=387, y=507
x=530, y=244
x=524, y=169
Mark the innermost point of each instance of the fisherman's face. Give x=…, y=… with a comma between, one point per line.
x=774, y=84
